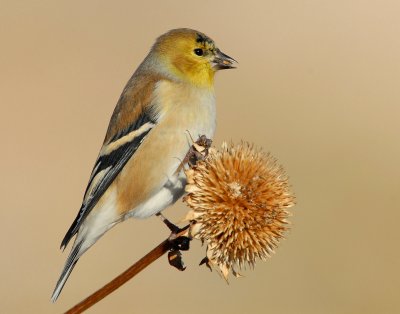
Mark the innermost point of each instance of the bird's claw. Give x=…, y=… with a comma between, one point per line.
x=178, y=244
x=175, y=259
x=181, y=243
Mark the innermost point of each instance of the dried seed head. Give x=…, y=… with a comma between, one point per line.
x=238, y=198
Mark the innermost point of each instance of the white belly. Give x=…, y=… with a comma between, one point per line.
x=165, y=197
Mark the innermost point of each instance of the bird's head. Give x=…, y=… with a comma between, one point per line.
x=191, y=56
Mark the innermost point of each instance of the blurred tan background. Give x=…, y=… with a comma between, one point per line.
x=318, y=85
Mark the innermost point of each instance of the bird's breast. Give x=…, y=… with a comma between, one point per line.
x=184, y=105
x=185, y=113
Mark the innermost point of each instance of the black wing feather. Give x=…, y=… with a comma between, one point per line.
x=116, y=160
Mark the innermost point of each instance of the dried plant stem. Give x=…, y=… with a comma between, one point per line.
x=146, y=260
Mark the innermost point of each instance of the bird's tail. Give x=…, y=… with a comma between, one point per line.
x=72, y=259
x=94, y=226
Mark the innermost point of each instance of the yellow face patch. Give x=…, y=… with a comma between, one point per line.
x=189, y=56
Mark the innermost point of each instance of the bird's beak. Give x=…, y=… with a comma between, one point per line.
x=222, y=61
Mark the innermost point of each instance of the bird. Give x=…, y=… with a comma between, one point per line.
x=138, y=172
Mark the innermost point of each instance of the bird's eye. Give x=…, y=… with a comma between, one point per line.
x=198, y=51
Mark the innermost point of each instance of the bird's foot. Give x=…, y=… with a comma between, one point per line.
x=178, y=238
x=174, y=228
x=177, y=244
x=178, y=241
x=175, y=260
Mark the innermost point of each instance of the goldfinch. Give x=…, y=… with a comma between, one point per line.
x=138, y=172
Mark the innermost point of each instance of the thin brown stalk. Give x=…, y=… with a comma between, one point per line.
x=117, y=282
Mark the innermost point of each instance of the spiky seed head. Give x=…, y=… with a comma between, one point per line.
x=239, y=198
